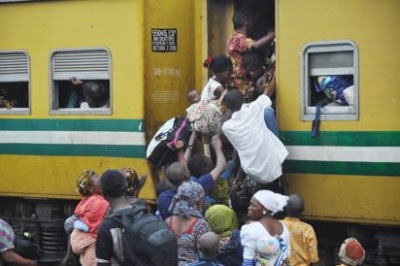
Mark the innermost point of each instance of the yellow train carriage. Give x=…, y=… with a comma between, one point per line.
x=350, y=172
x=142, y=54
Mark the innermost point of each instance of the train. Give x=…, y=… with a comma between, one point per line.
x=148, y=54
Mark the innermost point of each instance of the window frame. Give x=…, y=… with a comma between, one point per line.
x=328, y=112
x=54, y=92
x=20, y=110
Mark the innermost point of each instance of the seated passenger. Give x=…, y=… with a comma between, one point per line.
x=88, y=94
x=337, y=89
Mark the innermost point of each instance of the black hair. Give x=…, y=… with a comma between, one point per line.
x=234, y=100
x=199, y=165
x=218, y=63
x=113, y=183
x=253, y=60
x=176, y=174
x=239, y=19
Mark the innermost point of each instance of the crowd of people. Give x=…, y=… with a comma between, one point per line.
x=221, y=197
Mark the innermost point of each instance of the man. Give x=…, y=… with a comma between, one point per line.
x=7, y=253
x=261, y=153
x=110, y=247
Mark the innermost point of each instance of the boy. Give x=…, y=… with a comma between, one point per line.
x=208, y=249
x=303, y=240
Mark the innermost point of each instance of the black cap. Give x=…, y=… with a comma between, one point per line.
x=113, y=183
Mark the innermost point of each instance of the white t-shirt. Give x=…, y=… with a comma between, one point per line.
x=261, y=153
x=208, y=92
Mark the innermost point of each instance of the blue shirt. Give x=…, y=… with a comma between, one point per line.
x=165, y=198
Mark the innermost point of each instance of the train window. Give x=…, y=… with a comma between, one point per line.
x=81, y=81
x=14, y=82
x=329, y=72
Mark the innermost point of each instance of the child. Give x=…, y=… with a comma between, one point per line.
x=89, y=214
x=193, y=97
x=208, y=249
x=303, y=240
x=239, y=44
x=268, y=251
x=222, y=68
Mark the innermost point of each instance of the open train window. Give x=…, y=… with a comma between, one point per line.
x=329, y=72
x=14, y=82
x=81, y=81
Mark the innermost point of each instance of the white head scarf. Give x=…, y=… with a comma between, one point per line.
x=273, y=202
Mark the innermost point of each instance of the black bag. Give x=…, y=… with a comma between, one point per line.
x=147, y=237
x=26, y=246
x=159, y=151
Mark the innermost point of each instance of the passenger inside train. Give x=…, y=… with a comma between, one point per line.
x=14, y=95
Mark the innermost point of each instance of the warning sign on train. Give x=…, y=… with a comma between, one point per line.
x=164, y=40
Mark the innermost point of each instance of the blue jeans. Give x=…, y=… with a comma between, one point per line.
x=270, y=120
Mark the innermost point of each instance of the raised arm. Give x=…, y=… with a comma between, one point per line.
x=263, y=41
x=216, y=143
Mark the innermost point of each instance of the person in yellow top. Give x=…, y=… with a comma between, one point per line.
x=303, y=240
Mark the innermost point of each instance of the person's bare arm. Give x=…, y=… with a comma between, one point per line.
x=263, y=41
x=270, y=89
x=189, y=147
x=11, y=257
x=216, y=143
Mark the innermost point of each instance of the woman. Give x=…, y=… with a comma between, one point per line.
x=263, y=205
x=187, y=221
x=224, y=222
x=88, y=216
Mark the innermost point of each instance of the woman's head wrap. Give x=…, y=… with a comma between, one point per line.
x=188, y=196
x=351, y=252
x=273, y=202
x=222, y=220
x=132, y=179
x=84, y=182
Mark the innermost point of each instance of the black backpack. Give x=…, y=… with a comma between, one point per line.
x=26, y=245
x=147, y=237
x=158, y=151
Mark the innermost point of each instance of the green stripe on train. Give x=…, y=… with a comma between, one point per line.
x=122, y=125
x=342, y=168
x=123, y=151
x=342, y=138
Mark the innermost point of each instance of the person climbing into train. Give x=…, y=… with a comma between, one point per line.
x=87, y=218
x=351, y=253
x=260, y=152
x=239, y=44
x=303, y=240
x=262, y=73
x=206, y=116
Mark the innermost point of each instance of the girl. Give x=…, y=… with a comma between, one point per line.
x=222, y=68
